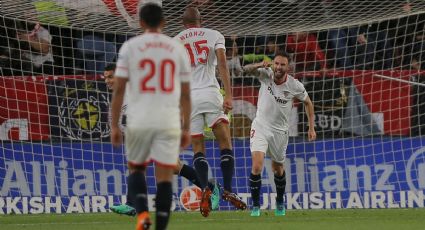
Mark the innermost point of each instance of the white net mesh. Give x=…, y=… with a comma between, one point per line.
x=361, y=62
x=229, y=17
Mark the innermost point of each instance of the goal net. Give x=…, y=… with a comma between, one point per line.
x=360, y=61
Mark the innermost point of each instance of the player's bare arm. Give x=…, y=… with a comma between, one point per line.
x=253, y=68
x=225, y=79
x=117, y=100
x=309, y=108
x=185, y=104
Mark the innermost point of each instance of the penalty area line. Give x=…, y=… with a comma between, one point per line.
x=62, y=223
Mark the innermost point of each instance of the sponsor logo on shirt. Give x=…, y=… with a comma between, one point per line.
x=276, y=98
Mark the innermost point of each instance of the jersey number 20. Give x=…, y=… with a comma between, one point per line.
x=201, y=52
x=166, y=75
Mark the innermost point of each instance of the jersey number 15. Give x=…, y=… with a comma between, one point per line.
x=166, y=68
x=198, y=50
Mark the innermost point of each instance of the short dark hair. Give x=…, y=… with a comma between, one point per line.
x=151, y=14
x=283, y=54
x=110, y=67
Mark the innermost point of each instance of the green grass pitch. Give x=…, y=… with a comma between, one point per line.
x=385, y=219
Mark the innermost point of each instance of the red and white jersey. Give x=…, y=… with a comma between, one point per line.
x=201, y=44
x=275, y=101
x=155, y=66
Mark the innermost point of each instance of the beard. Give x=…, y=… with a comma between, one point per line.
x=279, y=74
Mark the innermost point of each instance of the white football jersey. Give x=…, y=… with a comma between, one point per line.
x=201, y=44
x=275, y=101
x=155, y=66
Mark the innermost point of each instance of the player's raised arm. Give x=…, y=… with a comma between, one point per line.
x=223, y=71
x=260, y=69
x=253, y=68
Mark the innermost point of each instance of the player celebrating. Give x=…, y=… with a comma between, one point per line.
x=206, y=49
x=269, y=130
x=158, y=73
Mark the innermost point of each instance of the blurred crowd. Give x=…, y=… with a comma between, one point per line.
x=394, y=44
x=33, y=47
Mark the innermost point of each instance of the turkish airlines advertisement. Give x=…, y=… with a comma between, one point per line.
x=325, y=174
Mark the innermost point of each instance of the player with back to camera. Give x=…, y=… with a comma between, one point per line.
x=158, y=75
x=182, y=169
x=269, y=130
x=206, y=50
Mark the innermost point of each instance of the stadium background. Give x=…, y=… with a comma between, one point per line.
x=56, y=157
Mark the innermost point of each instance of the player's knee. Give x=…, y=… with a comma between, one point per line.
x=225, y=144
x=136, y=168
x=178, y=167
x=222, y=134
x=257, y=167
x=198, y=144
x=176, y=171
x=278, y=168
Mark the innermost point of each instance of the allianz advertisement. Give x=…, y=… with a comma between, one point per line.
x=327, y=174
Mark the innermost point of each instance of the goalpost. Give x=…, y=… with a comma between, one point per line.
x=361, y=61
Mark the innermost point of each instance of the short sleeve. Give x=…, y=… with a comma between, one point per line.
x=220, y=43
x=300, y=92
x=265, y=74
x=185, y=68
x=122, y=62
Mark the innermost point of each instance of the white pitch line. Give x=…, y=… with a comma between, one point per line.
x=62, y=223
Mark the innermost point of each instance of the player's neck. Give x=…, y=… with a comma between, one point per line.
x=190, y=26
x=152, y=30
x=281, y=80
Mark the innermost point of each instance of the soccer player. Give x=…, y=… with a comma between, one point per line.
x=108, y=74
x=269, y=130
x=206, y=50
x=158, y=74
x=182, y=169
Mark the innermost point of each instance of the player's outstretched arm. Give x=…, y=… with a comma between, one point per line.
x=309, y=108
x=117, y=100
x=223, y=71
x=186, y=108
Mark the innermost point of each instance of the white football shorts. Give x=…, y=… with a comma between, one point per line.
x=207, y=109
x=271, y=142
x=146, y=145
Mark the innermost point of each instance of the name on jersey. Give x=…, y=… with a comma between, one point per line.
x=192, y=34
x=276, y=98
x=157, y=45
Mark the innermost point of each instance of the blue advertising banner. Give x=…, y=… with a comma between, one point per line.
x=339, y=173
